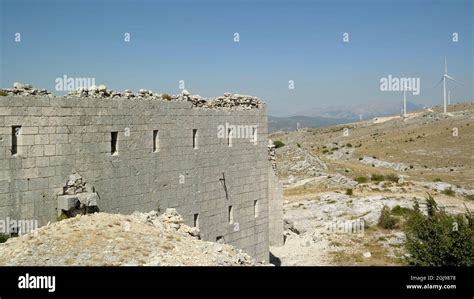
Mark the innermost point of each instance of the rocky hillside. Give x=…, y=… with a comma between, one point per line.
x=341, y=176
x=101, y=239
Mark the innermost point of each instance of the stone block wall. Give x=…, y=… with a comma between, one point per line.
x=275, y=209
x=62, y=135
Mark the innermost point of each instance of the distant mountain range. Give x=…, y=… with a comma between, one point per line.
x=328, y=116
x=290, y=123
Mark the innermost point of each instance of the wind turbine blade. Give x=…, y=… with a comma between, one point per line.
x=438, y=82
x=450, y=78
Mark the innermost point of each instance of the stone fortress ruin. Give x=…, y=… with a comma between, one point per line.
x=121, y=152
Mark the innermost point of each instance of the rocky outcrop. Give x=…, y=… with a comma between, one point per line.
x=296, y=161
x=384, y=164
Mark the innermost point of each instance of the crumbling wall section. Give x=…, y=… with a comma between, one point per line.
x=275, y=201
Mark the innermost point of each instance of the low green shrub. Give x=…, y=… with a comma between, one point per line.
x=362, y=179
x=278, y=144
x=449, y=192
x=377, y=177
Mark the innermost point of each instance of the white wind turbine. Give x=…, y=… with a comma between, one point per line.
x=443, y=78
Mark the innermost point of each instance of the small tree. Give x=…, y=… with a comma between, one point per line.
x=439, y=239
x=386, y=220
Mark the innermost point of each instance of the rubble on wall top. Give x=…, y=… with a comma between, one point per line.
x=20, y=89
x=227, y=101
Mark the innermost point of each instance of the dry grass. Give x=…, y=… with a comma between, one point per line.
x=423, y=142
x=372, y=242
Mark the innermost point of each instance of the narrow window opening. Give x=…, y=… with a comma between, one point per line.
x=229, y=137
x=231, y=215
x=15, y=134
x=196, y=220
x=195, y=137
x=113, y=143
x=156, y=141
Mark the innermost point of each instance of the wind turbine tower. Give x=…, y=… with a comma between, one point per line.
x=404, y=103
x=443, y=78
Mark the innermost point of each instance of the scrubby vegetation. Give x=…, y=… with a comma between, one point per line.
x=362, y=179
x=278, y=144
x=399, y=211
x=439, y=239
x=166, y=96
x=392, y=178
x=449, y=192
x=377, y=177
x=62, y=217
x=349, y=191
x=386, y=220
x=3, y=238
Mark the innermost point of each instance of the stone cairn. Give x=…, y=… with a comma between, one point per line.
x=227, y=101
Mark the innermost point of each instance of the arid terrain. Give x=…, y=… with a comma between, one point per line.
x=345, y=174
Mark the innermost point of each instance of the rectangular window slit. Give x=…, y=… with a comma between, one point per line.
x=15, y=134
x=196, y=220
x=229, y=137
x=113, y=143
x=156, y=141
x=195, y=137
x=231, y=215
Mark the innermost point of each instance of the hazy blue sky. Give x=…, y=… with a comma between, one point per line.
x=279, y=41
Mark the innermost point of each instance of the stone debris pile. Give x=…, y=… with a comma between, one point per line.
x=21, y=89
x=169, y=220
x=384, y=164
x=78, y=197
x=227, y=101
x=101, y=92
x=102, y=239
